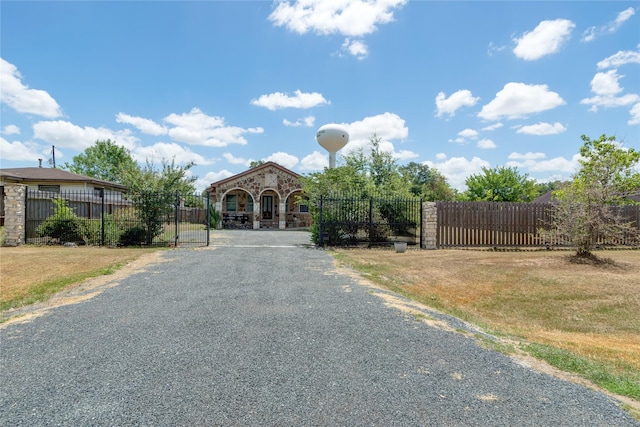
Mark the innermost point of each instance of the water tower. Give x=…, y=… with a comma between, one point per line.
x=332, y=137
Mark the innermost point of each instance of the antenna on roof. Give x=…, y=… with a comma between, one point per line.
x=39, y=163
x=52, y=160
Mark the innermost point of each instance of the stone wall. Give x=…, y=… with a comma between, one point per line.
x=14, y=214
x=429, y=225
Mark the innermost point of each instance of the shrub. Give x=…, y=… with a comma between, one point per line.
x=63, y=225
x=134, y=236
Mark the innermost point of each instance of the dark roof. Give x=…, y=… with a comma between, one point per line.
x=250, y=172
x=53, y=175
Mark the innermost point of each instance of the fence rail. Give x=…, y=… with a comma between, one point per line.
x=115, y=219
x=503, y=224
x=346, y=220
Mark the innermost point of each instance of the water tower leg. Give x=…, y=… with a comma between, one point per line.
x=332, y=160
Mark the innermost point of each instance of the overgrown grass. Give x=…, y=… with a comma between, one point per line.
x=2, y=236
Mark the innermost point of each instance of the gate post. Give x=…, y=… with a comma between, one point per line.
x=429, y=225
x=102, y=215
x=15, y=211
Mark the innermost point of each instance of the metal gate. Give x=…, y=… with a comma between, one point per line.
x=368, y=221
x=103, y=218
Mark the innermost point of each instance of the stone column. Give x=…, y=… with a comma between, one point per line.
x=282, y=216
x=429, y=225
x=256, y=213
x=14, y=214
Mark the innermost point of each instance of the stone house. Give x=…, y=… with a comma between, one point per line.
x=267, y=196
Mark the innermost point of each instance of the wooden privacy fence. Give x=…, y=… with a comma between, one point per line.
x=503, y=224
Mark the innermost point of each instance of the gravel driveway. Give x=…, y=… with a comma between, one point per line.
x=262, y=330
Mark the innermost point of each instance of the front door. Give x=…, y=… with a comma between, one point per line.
x=267, y=207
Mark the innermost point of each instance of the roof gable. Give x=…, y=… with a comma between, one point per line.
x=253, y=171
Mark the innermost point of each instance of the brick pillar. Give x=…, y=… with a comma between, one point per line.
x=429, y=225
x=14, y=214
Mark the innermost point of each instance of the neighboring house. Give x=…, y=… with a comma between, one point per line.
x=267, y=196
x=43, y=184
x=56, y=180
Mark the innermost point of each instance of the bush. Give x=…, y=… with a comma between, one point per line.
x=134, y=236
x=63, y=225
x=94, y=231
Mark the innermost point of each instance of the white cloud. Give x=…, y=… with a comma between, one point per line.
x=387, y=127
x=536, y=162
x=492, y=49
x=619, y=58
x=22, y=99
x=592, y=33
x=493, y=127
x=606, y=83
x=457, y=169
x=283, y=159
x=468, y=133
x=279, y=100
x=357, y=48
x=542, y=129
x=486, y=144
x=315, y=161
x=606, y=86
x=547, y=38
x=144, y=125
x=211, y=177
x=518, y=100
x=236, y=160
x=306, y=122
x=403, y=155
x=346, y=17
x=18, y=151
x=11, y=130
x=635, y=115
x=65, y=134
x=168, y=151
x=527, y=156
x=197, y=128
x=459, y=99
x=441, y=156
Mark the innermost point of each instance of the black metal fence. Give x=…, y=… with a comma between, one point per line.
x=105, y=218
x=352, y=220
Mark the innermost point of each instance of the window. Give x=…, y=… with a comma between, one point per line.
x=249, y=204
x=232, y=202
x=304, y=209
x=49, y=188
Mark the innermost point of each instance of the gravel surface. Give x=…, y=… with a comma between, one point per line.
x=261, y=330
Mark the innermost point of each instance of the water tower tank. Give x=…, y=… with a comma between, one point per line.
x=332, y=137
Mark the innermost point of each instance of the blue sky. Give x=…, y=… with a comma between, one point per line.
x=458, y=85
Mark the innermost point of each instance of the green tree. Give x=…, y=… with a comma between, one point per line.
x=256, y=163
x=365, y=174
x=154, y=191
x=104, y=160
x=427, y=183
x=501, y=184
x=587, y=208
